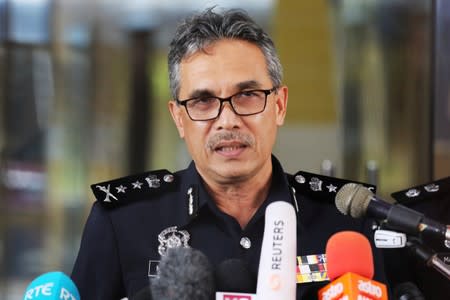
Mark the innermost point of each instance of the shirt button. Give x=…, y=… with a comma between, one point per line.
x=246, y=243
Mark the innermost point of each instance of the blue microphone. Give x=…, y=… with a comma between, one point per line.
x=52, y=286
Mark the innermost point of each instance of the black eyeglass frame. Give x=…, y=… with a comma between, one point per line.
x=228, y=99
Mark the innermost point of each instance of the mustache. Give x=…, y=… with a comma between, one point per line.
x=216, y=139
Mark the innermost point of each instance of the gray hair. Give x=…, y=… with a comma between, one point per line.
x=199, y=31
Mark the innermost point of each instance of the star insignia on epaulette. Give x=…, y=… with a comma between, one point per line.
x=332, y=188
x=137, y=184
x=121, y=189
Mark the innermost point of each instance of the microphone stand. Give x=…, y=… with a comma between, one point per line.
x=429, y=257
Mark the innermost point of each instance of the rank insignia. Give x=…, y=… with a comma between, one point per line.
x=437, y=191
x=132, y=188
x=312, y=268
x=171, y=237
x=321, y=187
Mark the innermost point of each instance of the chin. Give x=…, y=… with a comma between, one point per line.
x=232, y=172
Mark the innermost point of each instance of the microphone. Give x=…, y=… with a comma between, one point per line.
x=233, y=275
x=277, y=263
x=408, y=291
x=357, y=201
x=184, y=274
x=52, y=286
x=428, y=256
x=144, y=294
x=234, y=280
x=350, y=267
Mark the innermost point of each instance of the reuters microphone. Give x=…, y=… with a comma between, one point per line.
x=350, y=267
x=277, y=263
x=52, y=286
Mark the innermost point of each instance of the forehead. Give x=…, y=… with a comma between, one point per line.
x=223, y=64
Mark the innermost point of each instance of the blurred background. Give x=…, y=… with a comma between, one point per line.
x=84, y=91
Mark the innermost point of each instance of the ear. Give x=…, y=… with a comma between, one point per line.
x=281, y=104
x=176, y=113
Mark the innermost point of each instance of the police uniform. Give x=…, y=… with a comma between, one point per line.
x=402, y=265
x=137, y=218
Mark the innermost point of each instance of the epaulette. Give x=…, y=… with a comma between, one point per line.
x=429, y=191
x=131, y=188
x=321, y=187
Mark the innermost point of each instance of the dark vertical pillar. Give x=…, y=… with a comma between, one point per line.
x=139, y=136
x=440, y=89
x=3, y=78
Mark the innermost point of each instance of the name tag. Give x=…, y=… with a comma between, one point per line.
x=153, y=268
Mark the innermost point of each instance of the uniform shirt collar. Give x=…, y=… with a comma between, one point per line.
x=193, y=186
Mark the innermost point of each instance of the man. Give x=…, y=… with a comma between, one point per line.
x=226, y=79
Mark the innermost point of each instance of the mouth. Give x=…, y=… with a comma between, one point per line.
x=230, y=149
x=230, y=144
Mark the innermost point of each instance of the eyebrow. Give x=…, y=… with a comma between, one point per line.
x=249, y=84
x=201, y=93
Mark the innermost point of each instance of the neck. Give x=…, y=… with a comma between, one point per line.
x=240, y=200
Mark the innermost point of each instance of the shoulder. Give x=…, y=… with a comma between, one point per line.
x=431, y=198
x=429, y=192
x=132, y=188
x=320, y=187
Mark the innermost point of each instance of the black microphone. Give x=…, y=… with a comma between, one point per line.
x=234, y=275
x=358, y=201
x=144, y=294
x=428, y=256
x=408, y=291
x=184, y=274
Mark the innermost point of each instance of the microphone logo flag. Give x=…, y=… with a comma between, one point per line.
x=234, y=296
x=353, y=286
x=52, y=285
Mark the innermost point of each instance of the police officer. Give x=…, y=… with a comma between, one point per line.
x=403, y=265
x=229, y=100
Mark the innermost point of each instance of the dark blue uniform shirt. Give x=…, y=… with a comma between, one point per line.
x=120, y=241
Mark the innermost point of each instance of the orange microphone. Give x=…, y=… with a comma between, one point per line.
x=350, y=268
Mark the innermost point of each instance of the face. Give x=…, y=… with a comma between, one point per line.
x=229, y=148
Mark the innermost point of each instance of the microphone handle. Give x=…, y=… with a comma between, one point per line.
x=408, y=291
x=439, y=265
x=431, y=259
x=405, y=219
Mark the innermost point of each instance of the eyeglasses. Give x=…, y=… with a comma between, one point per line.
x=244, y=103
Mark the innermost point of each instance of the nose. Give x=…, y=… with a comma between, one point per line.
x=227, y=118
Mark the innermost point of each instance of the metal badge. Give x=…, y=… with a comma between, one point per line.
x=331, y=188
x=412, y=193
x=294, y=197
x=107, y=192
x=191, y=201
x=300, y=179
x=168, y=178
x=172, y=238
x=153, y=181
x=316, y=184
x=431, y=188
x=137, y=184
x=121, y=189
